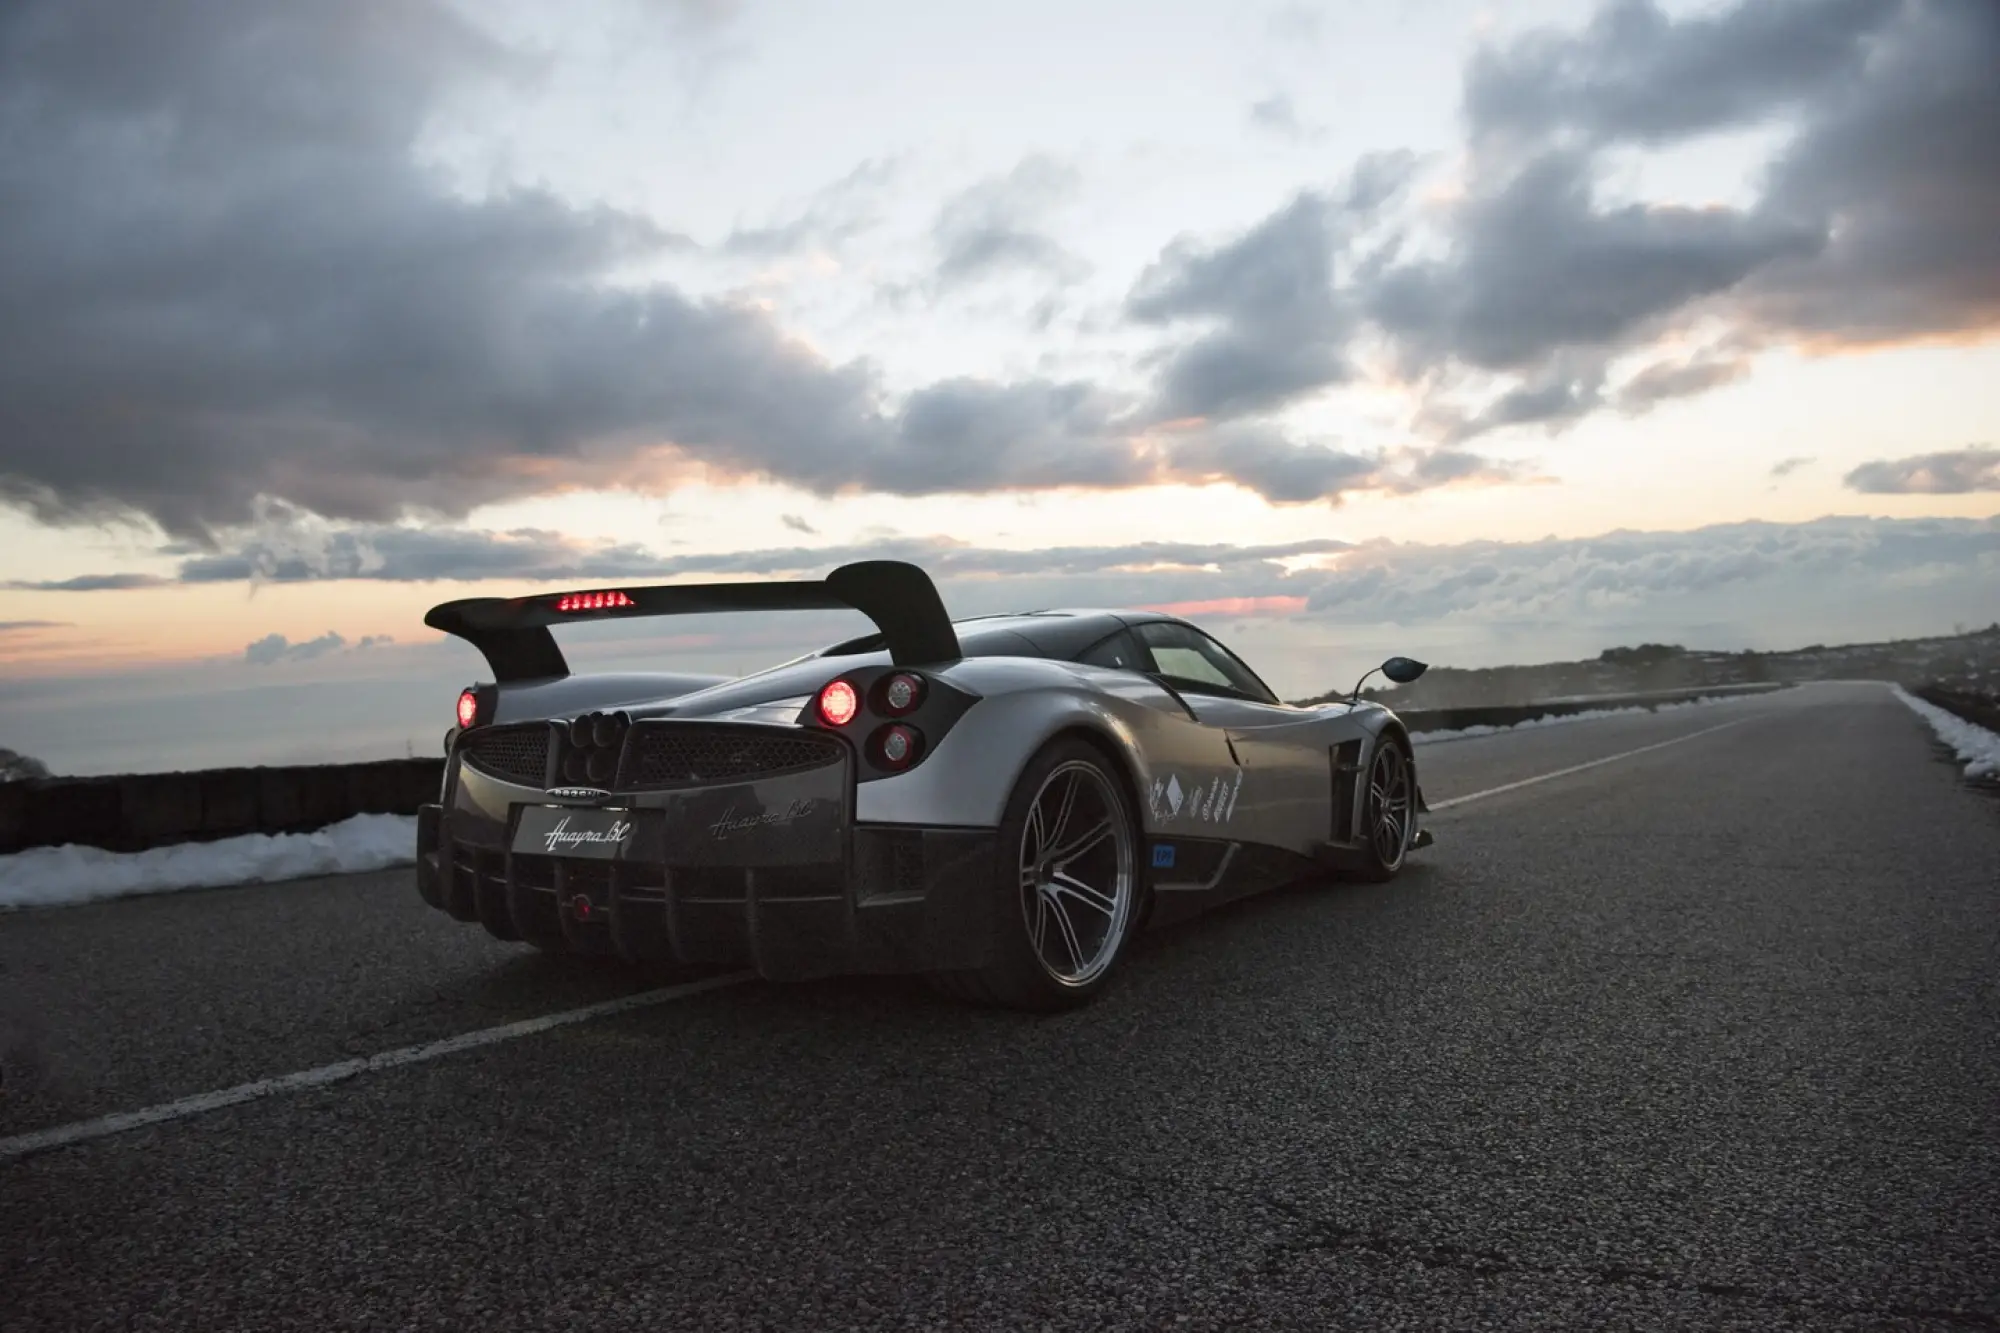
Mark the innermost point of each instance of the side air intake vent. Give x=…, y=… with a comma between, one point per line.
x=1346, y=779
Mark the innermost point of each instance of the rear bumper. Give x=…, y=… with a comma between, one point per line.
x=891, y=900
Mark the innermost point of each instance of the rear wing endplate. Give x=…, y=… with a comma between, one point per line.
x=513, y=632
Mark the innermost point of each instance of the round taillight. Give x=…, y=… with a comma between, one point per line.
x=468, y=708
x=902, y=693
x=898, y=746
x=838, y=703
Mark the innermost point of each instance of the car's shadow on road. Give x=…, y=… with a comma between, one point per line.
x=1172, y=955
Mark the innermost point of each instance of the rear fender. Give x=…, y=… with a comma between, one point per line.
x=966, y=780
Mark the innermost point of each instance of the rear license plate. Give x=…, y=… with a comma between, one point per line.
x=590, y=833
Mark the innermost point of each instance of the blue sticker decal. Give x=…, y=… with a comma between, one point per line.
x=1163, y=855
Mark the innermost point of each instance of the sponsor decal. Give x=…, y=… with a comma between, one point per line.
x=732, y=823
x=562, y=837
x=1163, y=856
x=1235, y=790
x=1212, y=800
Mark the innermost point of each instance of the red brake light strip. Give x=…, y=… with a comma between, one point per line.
x=593, y=601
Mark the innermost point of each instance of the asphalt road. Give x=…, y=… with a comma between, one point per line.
x=1703, y=1037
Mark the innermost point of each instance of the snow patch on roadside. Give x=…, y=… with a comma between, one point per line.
x=1976, y=747
x=1466, y=733
x=71, y=874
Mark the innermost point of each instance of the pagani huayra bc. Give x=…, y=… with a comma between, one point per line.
x=999, y=803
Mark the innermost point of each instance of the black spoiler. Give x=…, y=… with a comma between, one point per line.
x=513, y=632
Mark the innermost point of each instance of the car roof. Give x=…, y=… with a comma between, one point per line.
x=1061, y=632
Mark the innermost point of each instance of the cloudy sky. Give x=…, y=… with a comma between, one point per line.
x=1497, y=333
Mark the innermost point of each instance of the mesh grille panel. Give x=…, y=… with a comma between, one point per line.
x=516, y=754
x=688, y=754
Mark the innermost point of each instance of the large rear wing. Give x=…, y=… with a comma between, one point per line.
x=513, y=632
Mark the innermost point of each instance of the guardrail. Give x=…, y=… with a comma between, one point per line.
x=1457, y=719
x=134, y=812
x=1979, y=707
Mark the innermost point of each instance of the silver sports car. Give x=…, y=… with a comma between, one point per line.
x=999, y=803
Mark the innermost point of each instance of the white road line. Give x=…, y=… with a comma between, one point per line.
x=1578, y=768
x=41, y=1140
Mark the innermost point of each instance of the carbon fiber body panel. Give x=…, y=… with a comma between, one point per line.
x=766, y=871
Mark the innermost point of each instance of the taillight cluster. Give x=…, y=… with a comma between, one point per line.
x=838, y=703
x=477, y=704
x=893, y=745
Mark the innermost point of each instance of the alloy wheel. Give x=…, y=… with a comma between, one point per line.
x=1389, y=804
x=1077, y=873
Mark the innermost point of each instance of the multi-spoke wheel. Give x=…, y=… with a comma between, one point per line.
x=1076, y=872
x=1389, y=812
x=1069, y=879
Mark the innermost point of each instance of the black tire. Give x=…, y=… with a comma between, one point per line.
x=1094, y=939
x=1390, y=801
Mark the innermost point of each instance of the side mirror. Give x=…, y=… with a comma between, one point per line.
x=1403, y=670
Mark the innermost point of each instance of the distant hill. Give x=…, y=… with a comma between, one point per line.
x=1966, y=663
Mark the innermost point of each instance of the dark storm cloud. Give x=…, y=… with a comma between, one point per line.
x=1278, y=330
x=1539, y=266
x=1634, y=74
x=1878, y=218
x=1281, y=470
x=1895, y=156
x=1957, y=472
x=1566, y=388
x=1905, y=159
x=227, y=278
x=1556, y=397
x=225, y=275
x=948, y=434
